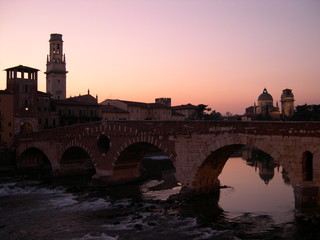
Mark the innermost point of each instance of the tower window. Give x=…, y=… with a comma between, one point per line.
x=58, y=48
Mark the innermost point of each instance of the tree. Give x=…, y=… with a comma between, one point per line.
x=229, y=114
x=214, y=116
x=307, y=113
x=204, y=113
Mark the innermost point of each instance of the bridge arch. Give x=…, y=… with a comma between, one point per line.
x=34, y=160
x=127, y=165
x=76, y=160
x=205, y=177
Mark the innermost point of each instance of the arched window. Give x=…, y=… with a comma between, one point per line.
x=26, y=128
x=307, y=166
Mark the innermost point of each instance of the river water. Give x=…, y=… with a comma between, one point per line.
x=257, y=204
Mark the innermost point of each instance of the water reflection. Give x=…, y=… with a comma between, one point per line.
x=261, y=189
x=262, y=162
x=258, y=187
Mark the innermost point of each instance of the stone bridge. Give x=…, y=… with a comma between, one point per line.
x=197, y=149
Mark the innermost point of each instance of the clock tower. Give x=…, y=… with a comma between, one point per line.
x=56, y=68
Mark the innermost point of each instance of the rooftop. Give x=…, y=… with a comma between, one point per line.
x=112, y=109
x=185, y=106
x=79, y=100
x=141, y=104
x=22, y=68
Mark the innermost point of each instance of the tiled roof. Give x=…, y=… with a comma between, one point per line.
x=141, y=104
x=85, y=99
x=79, y=100
x=131, y=103
x=111, y=109
x=186, y=106
x=22, y=69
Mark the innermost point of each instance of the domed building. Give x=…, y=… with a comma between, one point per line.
x=265, y=99
x=264, y=110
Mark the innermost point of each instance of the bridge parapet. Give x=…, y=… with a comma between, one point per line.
x=166, y=128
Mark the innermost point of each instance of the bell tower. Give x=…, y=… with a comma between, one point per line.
x=56, y=68
x=287, y=103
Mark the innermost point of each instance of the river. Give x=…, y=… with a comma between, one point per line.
x=258, y=203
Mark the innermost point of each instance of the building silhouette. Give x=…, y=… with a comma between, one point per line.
x=265, y=110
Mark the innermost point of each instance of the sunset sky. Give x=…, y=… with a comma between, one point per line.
x=221, y=53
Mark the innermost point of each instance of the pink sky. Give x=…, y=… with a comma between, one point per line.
x=220, y=53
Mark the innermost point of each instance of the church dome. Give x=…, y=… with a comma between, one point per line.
x=265, y=96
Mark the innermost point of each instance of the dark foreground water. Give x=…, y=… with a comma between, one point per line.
x=259, y=205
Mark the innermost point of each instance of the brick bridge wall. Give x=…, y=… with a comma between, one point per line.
x=198, y=149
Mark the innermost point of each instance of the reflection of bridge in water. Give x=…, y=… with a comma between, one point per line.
x=198, y=150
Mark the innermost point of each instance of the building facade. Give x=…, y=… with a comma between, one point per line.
x=75, y=110
x=22, y=82
x=47, y=116
x=6, y=118
x=188, y=110
x=142, y=111
x=110, y=112
x=32, y=108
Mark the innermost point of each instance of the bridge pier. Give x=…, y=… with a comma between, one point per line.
x=306, y=196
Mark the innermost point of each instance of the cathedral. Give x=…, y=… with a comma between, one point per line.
x=265, y=110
